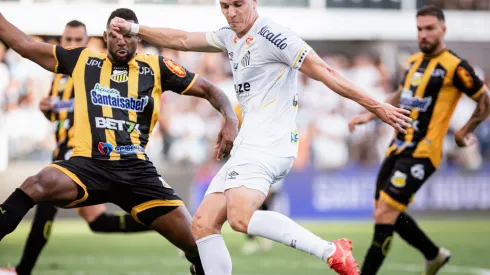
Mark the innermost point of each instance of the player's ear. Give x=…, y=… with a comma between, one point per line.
x=105, y=37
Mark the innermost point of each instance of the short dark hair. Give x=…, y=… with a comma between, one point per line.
x=76, y=24
x=123, y=13
x=431, y=10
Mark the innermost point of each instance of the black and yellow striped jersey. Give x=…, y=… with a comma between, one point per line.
x=117, y=105
x=63, y=104
x=431, y=89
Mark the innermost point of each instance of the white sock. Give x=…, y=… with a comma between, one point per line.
x=214, y=255
x=277, y=227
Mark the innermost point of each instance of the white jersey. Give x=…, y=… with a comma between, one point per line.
x=265, y=65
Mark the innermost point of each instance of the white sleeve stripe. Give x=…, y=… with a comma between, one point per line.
x=299, y=54
x=216, y=43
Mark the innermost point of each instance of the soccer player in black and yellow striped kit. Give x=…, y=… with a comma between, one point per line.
x=116, y=106
x=58, y=107
x=433, y=83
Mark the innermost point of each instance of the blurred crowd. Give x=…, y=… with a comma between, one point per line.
x=188, y=127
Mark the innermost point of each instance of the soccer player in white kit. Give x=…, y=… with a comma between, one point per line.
x=265, y=58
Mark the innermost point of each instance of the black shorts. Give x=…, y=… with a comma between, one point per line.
x=133, y=185
x=400, y=178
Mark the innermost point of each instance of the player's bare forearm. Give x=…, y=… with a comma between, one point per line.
x=315, y=68
x=481, y=112
x=40, y=53
x=176, y=39
x=216, y=97
x=393, y=99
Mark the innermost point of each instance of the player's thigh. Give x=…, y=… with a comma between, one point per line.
x=50, y=185
x=408, y=175
x=90, y=213
x=89, y=178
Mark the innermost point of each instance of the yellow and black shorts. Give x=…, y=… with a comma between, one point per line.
x=133, y=185
x=400, y=178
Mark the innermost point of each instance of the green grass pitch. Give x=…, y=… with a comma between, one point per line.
x=74, y=250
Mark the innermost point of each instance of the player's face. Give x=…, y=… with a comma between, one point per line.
x=74, y=37
x=122, y=49
x=430, y=33
x=239, y=13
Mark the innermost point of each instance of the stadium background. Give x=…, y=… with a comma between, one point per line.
x=331, y=185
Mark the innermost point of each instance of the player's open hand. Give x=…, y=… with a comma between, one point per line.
x=225, y=138
x=359, y=120
x=119, y=27
x=46, y=104
x=396, y=117
x=464, y=139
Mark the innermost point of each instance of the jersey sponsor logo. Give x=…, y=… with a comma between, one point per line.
x=418, y=171
x=174, y=67
x=63, y=105
x=275, y=39
x=107, y=148
x=145, y=71
x=118, y=125
x=465, y=77
x=119, y=76
x=438, y=73
x=246, y=60
x=64, y=124
x=235, y=66
x=104, y=96
x=294, y=137
x=242, y=87
x=94, y=63
x=224, y=28
x=399, y=179
x=407, y=101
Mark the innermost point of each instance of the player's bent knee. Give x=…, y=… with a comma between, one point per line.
x=239, y=219
x=202, y=227
x=34, y=188
x=385, y=213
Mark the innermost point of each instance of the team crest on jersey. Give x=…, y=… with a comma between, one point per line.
x=416, y=79
x=399, y=179
x=249, y=41
x=119, y=76
x=245, y=60
x=174, y=67
x=465, y=77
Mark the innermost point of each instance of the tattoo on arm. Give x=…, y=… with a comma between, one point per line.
x=481, y=112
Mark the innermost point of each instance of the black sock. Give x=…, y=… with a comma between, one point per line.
x=383, y=233
x=13, y=210
x=110, y=223
x=196, y=261
x=40, y=231
x=408, y=229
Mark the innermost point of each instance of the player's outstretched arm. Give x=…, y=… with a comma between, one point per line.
x=317, y=69
x=40, y=53
x=164, y=37
x=205, y=89
x=393, y=99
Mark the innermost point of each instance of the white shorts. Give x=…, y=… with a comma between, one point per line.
x=252, y=169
